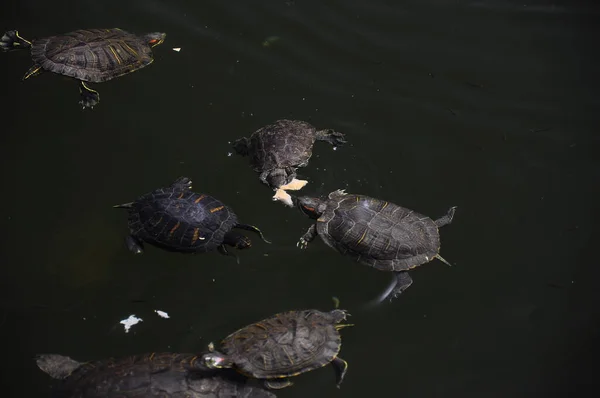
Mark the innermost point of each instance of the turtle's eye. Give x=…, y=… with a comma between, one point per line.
x=153, y=41
x=309, y=208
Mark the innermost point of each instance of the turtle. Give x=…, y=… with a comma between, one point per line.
x=163, y=374
x=375, y=232
x=175, y=218
x=284, y=345
x=277, y=150
x=88, y=55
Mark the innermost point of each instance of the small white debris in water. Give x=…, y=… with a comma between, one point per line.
x=84, y=319
x=129, y=322
x=335, y=148
x=229, y=153
x=213, y=280
x=177, y=49
x=162, y=314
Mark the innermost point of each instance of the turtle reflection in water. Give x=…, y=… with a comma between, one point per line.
x=88, y=55
x=374, y=232
x=168, y=375
x=282, y=346
x=277, y=150
x=175, y=218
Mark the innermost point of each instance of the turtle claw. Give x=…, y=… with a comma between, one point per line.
x=302, y=243
x=88, y=102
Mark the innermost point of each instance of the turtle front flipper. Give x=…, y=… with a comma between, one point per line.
x=308, y=237
x=182, y=183
x=340, y=367
x=278, y=384
x=57, y=366
x=89, y=97
x=242, y=146
x=333, y=137
x=134, y=245
x=12, y=41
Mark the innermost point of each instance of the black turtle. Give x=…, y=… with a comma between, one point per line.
x=376, y=233
x=176, y=219
x=282, y=346
x=277, y=150
x=88, y=55
x=157, y=374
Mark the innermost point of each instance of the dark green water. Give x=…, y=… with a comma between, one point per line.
x=491, y=106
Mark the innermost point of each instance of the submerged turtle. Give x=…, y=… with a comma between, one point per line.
x=88, y=55
x=284, y=345
x=158, y=374
x=279, y=149
x=376, y=233
x=176, y=219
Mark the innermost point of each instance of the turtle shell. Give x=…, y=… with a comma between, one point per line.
x=286, y=344
x=176, y=219
x=285, y=143
x=378, y=233
x=92, y=55
x=156, y=374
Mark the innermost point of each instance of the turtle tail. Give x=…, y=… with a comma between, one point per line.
x=12, y=41
x=124, y=206
x=57, y=366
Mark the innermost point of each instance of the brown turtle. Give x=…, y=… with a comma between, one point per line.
x=282, y=346
x=374, y=232
x=88, y=55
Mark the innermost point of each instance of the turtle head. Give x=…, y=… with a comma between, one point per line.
x=155, y=38
x=214, y=359
x=279, y=177
x=312, y=207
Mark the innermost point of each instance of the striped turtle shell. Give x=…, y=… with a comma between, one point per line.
x=92, y=55
x=286, y=344
x=176, y=219
x=168, y=375
x=285, y=143
x=377, y=233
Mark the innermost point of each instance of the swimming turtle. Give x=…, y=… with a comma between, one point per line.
x=176, y=219
x=88, y=55
x=284, y=345
x=375, y=232
x=277, y=150
x=157, y=374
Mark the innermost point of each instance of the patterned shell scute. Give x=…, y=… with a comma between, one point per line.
x=156, y=374
x=181, y=220
x=285, y=143
x=92, y=55
x=286, y=344
x=378, y=233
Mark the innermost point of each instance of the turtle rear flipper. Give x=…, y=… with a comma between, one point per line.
x=89, y=97
x=57, y=366
x=12, y=41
